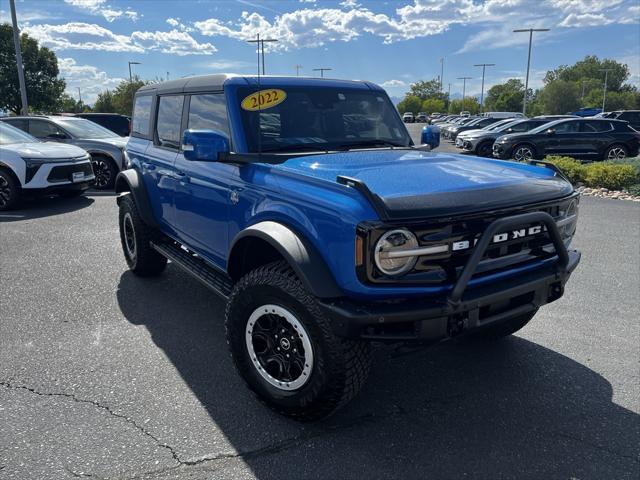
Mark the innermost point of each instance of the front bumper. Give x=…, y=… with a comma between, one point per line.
x=502, y=150
x=461, y=310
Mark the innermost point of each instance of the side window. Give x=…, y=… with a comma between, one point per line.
x=566, y=127
x=169, y=121
x=43, y=129
x=631, y=117
x=18, y=123
x=209, y=112
x=522, y=127
x=595, y=127
x=141, y=115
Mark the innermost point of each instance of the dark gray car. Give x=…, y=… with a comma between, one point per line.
x=105, y=147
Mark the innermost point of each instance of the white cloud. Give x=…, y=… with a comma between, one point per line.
x=88, y=78
x=88, y=36
x=393, y=84
x=228, y=65
x=100, y=7
x=173, y=22
x=316, y=27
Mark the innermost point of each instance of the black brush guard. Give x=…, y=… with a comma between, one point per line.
x=463, y=309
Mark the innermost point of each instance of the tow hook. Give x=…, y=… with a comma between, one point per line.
x=456, y=325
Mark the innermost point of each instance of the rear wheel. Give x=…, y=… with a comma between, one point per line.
x=9, y=190
x=136, y=238
x=616, y=152
x=105, y=171
x=485, y=149
x=506, y=328
x=285, y=350
x=523, y=153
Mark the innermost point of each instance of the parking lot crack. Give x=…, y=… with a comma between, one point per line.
x=99, y=405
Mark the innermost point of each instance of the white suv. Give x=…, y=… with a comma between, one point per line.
x=29, y=166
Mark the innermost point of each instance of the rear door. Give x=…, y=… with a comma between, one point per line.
x=596, y=135
x=157, y=166
x=203, y=194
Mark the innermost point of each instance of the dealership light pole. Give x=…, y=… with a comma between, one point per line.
x=606, y=77
x=260, y=42
x=483, y=65
x=449, y=100
x=441, y=74
x=298, y=67
x=464, y=88
x=526, y=82
x=16, y=41
x=322, y=70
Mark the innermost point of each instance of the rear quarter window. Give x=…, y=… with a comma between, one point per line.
x=18, y=123
x=141, y=116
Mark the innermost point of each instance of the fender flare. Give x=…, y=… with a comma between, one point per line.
x=303, y=257
x=129, y=180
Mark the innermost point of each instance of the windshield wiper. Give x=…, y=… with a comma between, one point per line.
x=296, y=148
x=369, y=143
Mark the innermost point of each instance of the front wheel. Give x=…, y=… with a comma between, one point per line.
x=285, y=350
x=9, y=191
x=616, y=152
x=105, y=171
x=523, y=153
x=485, y=149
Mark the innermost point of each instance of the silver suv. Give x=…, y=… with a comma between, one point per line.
x=105, y=147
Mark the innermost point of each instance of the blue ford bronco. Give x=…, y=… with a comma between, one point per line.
x=305, y=204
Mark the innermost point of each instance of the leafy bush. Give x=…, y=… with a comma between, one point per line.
x=609, y=175
x=634, y=162
x=572, y=168
x=634, y=189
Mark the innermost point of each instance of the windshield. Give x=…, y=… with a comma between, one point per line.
x=81, y=128
x=9, y=135
x=321, y=119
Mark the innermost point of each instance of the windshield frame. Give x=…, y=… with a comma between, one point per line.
x=386, y=114
x=27, y=138
x=65, y=122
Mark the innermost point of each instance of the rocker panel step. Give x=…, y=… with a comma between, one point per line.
x=216, y=280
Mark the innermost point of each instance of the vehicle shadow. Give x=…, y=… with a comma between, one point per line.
x=31, y=208
x=514, y=409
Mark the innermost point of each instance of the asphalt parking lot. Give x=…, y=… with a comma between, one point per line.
x=105, y=375
x=415, y=129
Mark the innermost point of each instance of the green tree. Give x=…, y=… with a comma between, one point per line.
x=431, y=105
x=66, y=103
x=628, y=100
x=505, y=97
x=591, y=68
x=425, y=89
x=410, y=103
x=123, y=95
x=40, y=71
x=471, y=105
x=105, y=102
x=560, y=96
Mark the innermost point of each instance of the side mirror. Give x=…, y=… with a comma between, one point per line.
x=430, y=136
x=551, y=131
x=204, y=145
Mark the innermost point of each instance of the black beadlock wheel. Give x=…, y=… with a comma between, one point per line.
x=105, y=172
x=285, y=350
x=136, y=237
x=504, y=329
x=9, y=190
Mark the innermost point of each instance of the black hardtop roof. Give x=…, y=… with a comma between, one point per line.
x=214, y=82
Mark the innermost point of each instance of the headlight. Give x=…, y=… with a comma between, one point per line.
x=393, y=254
x=568, y=220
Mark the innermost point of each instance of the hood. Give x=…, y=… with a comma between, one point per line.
x=412, y=184
x=115, y=141
x=51, y=150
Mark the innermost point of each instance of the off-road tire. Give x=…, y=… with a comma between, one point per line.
x=504, y=329
x=105, y=171
x=142, y=259
x=340, y=366
x=9, y=190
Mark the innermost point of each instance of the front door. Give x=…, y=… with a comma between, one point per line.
x=565, y=140
x=203, y=195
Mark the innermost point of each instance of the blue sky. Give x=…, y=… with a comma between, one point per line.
x=392, y=43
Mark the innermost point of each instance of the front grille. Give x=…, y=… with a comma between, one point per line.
x=444, y=268
x=64, y=173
